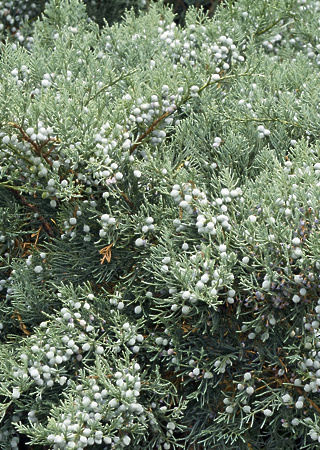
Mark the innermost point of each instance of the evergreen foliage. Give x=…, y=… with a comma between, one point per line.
x=17, y=17
x=159, y=233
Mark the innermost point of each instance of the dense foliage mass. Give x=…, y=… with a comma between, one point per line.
x=159, y=230
x=17, y=17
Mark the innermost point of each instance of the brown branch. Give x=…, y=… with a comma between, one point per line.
x=151, y=128
x=49, y=151
x=127, y=199
x=37, y=148
x=24, y=201
x=46, y=142
x=21, y=324
x=26, y=137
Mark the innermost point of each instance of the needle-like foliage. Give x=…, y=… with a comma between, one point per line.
x=159, y=230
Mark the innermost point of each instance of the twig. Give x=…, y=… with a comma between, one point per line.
x=109, y=85
x=26, y=137
x=24, y=201
x=268, y=27
x=37, y=148
x=149, y=130
x=127, y=199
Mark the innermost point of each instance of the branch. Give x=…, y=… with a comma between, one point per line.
x=37, y=148
x=109, y=85
x=168, y=113
x=127, y=200
x=26, y=137
x=149, y=130
x=24, y=201
x=268, y=28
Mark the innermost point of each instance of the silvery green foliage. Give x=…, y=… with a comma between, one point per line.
x=159, y=230
x=18, y=17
